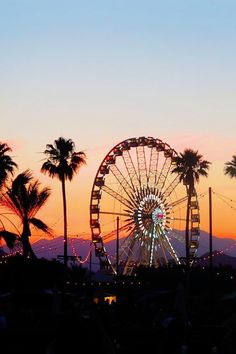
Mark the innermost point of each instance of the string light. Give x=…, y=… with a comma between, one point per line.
x=76, y=254
x=222, y=198
x=43, y=248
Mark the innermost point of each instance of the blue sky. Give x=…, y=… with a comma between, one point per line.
x=103, y=71
x=168, y=63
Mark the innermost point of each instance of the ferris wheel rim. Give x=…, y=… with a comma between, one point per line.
x=117, y=150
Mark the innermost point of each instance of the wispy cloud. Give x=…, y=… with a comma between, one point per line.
x=213, y=147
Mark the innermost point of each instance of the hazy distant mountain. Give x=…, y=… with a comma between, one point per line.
x=76, y=246
x=218, y=243
x=52, y=248
x=218, y=260
x=227, y=245
x=2, y=252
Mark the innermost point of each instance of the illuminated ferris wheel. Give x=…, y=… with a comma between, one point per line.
x=138, y=200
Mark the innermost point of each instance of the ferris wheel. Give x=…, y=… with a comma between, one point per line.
x=137, y=200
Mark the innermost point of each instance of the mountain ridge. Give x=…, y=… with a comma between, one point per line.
x=52, y=248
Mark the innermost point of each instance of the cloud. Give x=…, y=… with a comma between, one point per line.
x=213, y=147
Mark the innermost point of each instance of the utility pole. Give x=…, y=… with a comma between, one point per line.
x=117, y=244
x=210, y=227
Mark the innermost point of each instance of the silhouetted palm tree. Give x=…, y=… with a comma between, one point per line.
x=7, y=165
x=230, y=167
x=190, y=166
x=63, y=162
x=24, y=198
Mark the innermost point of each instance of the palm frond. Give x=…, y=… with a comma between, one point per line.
x=40, y=225
x=18, y=192
x=51, y=169
x=11, y=203
x=7, y=165
x=9, y=237
x=62, y=159
x=22, y=179
x=230, y=171
x=189, y=165
x=37, y=198
x=230, y=167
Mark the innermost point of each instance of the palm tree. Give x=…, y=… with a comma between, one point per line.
x=63, y=162
x=7, y=165
x=190, y=165
x=230, y=167
x=24, y=198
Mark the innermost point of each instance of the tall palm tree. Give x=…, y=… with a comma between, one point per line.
x=24, y=198
x=190, y=165
x=230, y=167
x=63, y=162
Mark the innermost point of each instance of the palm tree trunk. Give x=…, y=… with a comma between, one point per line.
x=65, y=220
x=31, y=252
x=27, y=249
x=189, y=191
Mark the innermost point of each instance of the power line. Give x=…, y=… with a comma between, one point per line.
x=230, y=199
x=219, y=196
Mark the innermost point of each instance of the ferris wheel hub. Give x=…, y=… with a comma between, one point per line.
x=150, y=213
x=158, y=216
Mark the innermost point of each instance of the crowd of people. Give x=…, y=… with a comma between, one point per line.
x=159, y=311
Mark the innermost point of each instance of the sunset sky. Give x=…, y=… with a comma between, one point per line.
x=100, y=72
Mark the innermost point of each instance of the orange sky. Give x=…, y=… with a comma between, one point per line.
x=78, y=192
x=101, y=72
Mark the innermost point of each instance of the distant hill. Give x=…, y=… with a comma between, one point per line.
x=227, y=245
x=76, y=246
x=218, y=243
x=2, y=252
x=218, y=260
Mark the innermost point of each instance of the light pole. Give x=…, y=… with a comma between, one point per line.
x=210, y=228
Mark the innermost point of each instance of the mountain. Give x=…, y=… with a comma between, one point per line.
x=2, y=252
x=53, y=248
x=227, y=245
x=218, y=260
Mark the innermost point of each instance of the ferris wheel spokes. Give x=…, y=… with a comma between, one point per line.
x=171, y=187
x=126, y=247
x=114, y=213
x=153, y=166
x=128, y=203
x=130, y=168
x=163, y=174
x=142, y=166
x=179, y=201
x=137, y=182
x=152, y=245
x=111, y=235
x=124, y=184
x=164, y=237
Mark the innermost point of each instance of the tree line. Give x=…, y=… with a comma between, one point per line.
x=24, y=196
